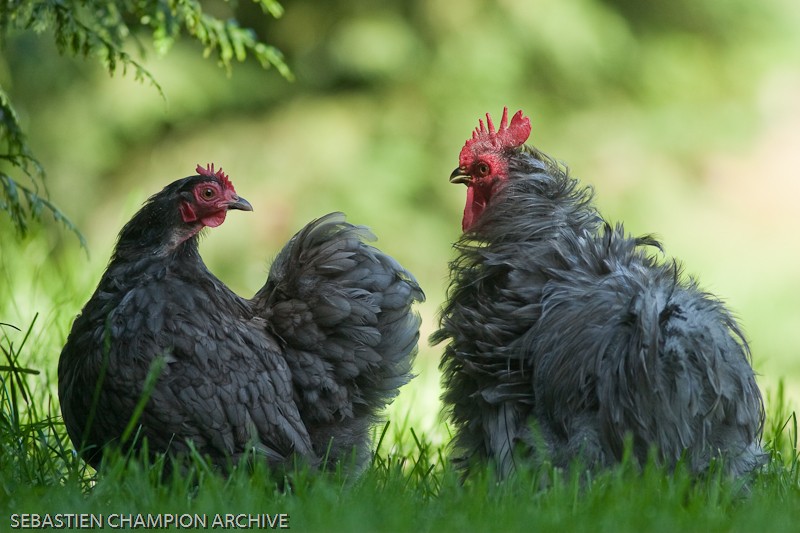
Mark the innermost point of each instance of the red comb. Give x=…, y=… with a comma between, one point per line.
x=507, y=136
x=219, y=174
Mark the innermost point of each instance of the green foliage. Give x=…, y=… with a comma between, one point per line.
x=103, y=29
x=14, y=152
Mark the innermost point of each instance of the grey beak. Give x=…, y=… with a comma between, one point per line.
x=460, y=176
x=240, y=204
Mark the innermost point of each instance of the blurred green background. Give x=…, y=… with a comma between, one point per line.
x=683, y=114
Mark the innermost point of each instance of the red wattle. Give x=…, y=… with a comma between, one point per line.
x=212, y=221
x=477, y=198
x=469, y=217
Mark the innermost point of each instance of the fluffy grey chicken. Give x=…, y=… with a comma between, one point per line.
x=565, y=336
x=301, y=370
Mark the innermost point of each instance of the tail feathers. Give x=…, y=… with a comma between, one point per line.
x=343, y=311
x=650, y=357
x=686, y=384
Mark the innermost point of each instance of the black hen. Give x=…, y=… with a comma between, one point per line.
x=567, y=337
x=301, y=370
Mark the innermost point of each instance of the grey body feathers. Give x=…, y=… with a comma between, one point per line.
x=566, y=337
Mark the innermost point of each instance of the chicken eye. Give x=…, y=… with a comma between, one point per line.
x=207, y=193
x=482, y=169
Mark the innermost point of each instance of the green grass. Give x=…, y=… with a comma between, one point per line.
x=410, y=485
